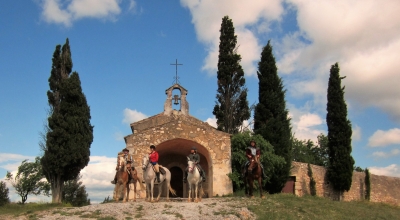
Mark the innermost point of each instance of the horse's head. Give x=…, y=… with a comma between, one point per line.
x=254, y=162
x=145, y=162
x=190, y=165
x=129, y=165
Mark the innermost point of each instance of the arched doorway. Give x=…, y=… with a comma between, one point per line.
x=176, y=181
x=173, y=155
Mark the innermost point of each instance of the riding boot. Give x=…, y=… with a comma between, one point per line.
x=115, y=179
x=158, y=176
x=203, y=176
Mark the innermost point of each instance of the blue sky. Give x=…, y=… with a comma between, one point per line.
x=123, y=51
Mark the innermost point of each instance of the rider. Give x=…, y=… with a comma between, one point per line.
x=195, y=157
x=153, y=157
x=251, y=151
x=126, y=158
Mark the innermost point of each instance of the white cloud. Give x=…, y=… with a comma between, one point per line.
x=212, y=121
x=306, y=125
x=131, y=116
x=364, y=41
x=391, y=170
x=14, y=157
x=381, y=154
x=356, y=136
x=384, y=138
x=65, y=12
x=247, y=19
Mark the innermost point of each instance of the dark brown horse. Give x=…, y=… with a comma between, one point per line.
x=254, y=172
x=123, y=181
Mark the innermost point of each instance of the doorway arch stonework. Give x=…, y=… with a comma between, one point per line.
x=174, y=133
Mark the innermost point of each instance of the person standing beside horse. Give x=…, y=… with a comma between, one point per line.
x=195, y=157
x=126, y=158
x=153, y=157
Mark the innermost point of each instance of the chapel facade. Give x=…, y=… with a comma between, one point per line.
x=174, y=132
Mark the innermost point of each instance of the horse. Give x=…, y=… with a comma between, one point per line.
x=254, y=172
x=123, y=181
x=149, y=176
x=195, y=179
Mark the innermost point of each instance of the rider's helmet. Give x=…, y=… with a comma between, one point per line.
x=253, y=141
x=152, y=147
x=125, y=149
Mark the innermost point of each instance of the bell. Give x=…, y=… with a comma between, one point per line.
x=176, y=98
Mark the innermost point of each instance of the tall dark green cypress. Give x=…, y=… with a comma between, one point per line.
x=271, y=119
x=232, y=107
x=340, y=168
x=70, y=133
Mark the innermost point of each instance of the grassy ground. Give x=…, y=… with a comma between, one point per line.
x=279, y=206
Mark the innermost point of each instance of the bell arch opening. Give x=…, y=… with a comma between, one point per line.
x=173, y=155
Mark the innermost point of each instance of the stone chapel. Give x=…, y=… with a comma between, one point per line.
x=174, y=132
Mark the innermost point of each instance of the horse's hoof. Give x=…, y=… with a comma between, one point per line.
x=251, y=197
x=167, y=200
x=189, y=200
x=196, y=201
x=262, y=197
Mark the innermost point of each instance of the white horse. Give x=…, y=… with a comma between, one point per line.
x=194, y=179
x=149, y=176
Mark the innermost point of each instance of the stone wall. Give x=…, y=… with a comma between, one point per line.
x=174, y=135
x=383, y=188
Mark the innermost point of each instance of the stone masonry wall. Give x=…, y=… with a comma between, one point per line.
x=162, y=128
x=383, y=188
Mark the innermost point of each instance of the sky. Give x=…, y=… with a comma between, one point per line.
x=123, y=51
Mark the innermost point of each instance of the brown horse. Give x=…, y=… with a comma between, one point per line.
x=254, y=172
x=123, y=181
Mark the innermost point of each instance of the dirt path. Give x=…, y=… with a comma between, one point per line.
x=213, y=208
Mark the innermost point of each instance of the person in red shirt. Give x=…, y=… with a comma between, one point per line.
x=153, y=157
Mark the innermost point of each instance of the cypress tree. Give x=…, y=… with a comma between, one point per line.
x=367, y=185
x=271, y=119
x=70, y=133
x=231, y=107
x=340, y=168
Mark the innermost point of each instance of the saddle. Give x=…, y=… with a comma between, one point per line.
x=162, y=171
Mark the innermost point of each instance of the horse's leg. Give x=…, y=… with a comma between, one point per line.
x=126, y=196
x=147, y=192
x=159, y=191
x=152, y=190
x=251, y=186
x=134, y=190
x=260, y=186
x=168, y=186
x=190, y=191
x=195, y=192
x=116, y=192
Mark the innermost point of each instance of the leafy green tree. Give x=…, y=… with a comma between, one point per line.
x=29, y=180
x=239, y=144
x=340, y=169
x=75, y=193
x=303, y=151
x=271, y=119
x=70, y=133
x=321, y=151
x=4, y=199
x=231, y=107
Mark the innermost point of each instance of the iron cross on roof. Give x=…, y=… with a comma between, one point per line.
x=176, y=74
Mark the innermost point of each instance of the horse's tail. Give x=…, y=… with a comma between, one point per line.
x=173, y=192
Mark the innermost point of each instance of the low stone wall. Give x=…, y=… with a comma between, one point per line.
x=383, y=188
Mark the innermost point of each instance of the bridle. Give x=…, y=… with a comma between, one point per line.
x=191, y=166
x=144, y=166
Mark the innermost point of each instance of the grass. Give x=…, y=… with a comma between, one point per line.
x=277, y=206
x=287, y=206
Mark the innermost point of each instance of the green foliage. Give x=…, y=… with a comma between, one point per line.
x=358, y=169
x=75, y=193
x=239, y=144
x=271, y=119
x=70, y=133
x=367, y=185
x=29, y=180
x=307, y=152
x=231, y=107
x=4, y=199
x=313, y=189
x=340, y=169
